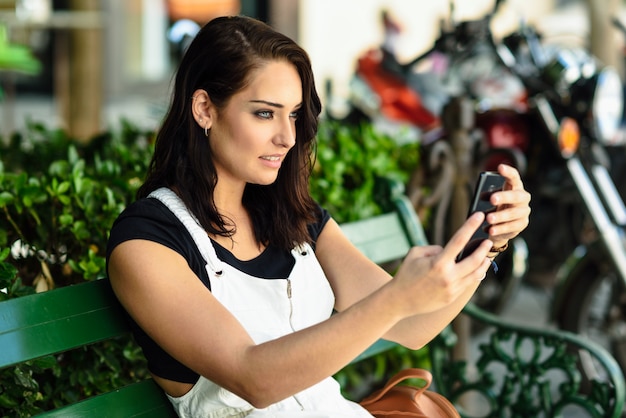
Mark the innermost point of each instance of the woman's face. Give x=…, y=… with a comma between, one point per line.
x=252, y=135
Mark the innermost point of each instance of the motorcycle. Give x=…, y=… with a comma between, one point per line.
x=557, y=130
x=579, y=218
x=565, y=134
x=483, y=125
x=618, y=146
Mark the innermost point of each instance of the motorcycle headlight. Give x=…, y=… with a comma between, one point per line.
x=607, y=105
x=568, y=137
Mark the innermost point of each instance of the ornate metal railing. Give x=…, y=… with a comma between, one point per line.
x=525, y=372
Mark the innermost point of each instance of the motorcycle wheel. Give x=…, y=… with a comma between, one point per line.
x=595, y=307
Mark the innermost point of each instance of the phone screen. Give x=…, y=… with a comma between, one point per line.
x=488, y=183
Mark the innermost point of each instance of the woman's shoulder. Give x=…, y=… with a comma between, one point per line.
x=144, y=212
x=148, y=219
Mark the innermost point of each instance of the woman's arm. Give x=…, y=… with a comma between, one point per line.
x=444, y=285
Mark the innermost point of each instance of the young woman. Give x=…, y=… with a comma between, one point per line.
x=230, y=271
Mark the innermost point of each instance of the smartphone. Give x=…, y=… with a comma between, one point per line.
x=488, y=183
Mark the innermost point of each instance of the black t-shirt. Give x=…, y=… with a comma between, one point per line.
x=149, y=219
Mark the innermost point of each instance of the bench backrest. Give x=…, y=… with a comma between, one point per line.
x=55, y=321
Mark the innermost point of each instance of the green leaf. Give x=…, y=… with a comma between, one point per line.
x=25, y=379
x=7, y=274
x=66, y=219
x=7, y=401
x=6, y=198
x=63, y=187
x=65, y=200
x=4, y=253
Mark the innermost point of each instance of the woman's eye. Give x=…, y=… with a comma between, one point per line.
x=265, y=114
x=294, y=115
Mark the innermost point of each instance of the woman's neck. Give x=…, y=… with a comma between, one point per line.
x=242, y=243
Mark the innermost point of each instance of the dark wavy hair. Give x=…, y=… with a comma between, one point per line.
x=220, y=60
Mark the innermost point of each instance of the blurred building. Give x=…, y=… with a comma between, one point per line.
x=108, y=59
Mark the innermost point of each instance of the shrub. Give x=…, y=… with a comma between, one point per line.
x=349, y=159
x=59, y=199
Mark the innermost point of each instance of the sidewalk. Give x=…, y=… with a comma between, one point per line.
x=530, y=306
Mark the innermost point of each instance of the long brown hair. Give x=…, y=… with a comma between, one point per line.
x=219, y=60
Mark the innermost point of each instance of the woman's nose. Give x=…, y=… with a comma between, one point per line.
x=286, y=133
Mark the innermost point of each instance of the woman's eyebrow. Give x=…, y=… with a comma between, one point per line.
x=278, y=105
x=268, y=103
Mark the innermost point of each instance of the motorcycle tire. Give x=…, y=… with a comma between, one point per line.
x=595, y=307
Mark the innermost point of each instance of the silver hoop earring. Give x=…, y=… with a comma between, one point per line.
x=206, y=131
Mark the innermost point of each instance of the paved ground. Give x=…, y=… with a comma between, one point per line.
x=530, y=306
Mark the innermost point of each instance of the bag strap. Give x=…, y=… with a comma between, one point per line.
x=409, y=373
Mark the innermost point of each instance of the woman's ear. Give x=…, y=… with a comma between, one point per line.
x=202, y=108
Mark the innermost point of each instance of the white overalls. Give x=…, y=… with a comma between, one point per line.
x=267, y=309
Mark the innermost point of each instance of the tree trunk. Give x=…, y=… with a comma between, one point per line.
x=81, y=100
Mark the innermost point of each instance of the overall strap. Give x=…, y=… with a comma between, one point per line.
x=199, y=235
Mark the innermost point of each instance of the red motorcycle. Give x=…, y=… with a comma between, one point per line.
x=386, y=98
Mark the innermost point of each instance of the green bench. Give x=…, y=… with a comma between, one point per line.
x=502, y=379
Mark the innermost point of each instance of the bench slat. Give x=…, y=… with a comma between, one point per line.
x=143, y=399
x=58, y=320
x=381, y=238
x=378, y=347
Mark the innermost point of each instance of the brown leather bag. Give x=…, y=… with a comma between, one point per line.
x=401, y=401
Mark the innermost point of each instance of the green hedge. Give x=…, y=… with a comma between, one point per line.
x=58, y=199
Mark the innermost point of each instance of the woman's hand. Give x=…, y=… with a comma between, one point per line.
x=513, y=212
x=430, y=278
x=438, y=279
